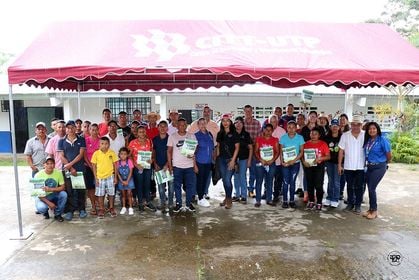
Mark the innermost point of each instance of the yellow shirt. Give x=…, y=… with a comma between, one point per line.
x=104, y=163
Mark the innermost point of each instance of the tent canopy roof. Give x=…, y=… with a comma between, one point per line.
x=155, y=55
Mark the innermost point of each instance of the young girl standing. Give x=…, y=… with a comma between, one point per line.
x=125, y=180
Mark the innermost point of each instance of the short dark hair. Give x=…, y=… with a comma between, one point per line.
x=290, y=104
x=54, y=119
x=104, y=139
x=248, y=106
x=268, y=125
x=182, y=120
x=112, y=121
x=123, y=149
x=163, y=122
x=106, y=110
x=94, y=125
x=317, y=129
x=312, y=112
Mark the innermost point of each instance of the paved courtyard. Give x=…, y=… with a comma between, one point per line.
x=214, y=243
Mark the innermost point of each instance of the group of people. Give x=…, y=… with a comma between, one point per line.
x=264, y=160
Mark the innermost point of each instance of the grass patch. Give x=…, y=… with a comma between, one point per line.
x=9, y=162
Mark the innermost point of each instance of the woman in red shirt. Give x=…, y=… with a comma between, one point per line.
x=316, y=152
x=266, y=152
x=142, y=171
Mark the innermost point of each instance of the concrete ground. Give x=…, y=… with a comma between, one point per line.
x=215, y=243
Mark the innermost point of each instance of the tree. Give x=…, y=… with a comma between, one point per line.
x=4, y=58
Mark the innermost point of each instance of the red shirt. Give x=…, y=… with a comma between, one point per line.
x=152, y=132
x=103, y=129
x=321, y=147
x=263, y=142
x=135, y=146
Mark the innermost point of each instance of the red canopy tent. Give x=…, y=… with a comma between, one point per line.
x=155, y=55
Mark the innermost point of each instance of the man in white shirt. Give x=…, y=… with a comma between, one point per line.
x=116, y=140
x=351, y=148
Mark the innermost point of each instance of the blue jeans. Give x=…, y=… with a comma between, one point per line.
x=333, y=186
x=162, y=193
x=240, y=180
x=186, y=176
x=262, y=173
x=290, y=175
x=143, y=180
x=226, y=175
x=374, y=175
x=252, y=175
x=278, y=181
x=354, y=186
x=58, y=198
x=202, y=178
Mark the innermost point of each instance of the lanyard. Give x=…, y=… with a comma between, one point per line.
x=369, y=147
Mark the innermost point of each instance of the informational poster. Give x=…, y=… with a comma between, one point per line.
x=36, y=186
x=267, y=153
x=289, y=153
x=310, y=156
x=163, y=176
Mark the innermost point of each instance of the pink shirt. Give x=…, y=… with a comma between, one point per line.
x=92, y=145
x=51, y=149
x=124, y=162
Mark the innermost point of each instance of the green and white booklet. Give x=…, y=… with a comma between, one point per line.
x=267, y=153
x=189, y=147
x=163, y=176
x=310, y=156
x=143, y=158
x=36, y=185
x=289, y=153
x=77, y=182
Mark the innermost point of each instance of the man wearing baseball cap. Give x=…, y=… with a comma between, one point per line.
x=35, y=148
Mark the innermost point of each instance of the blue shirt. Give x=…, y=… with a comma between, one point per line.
x=295, y=141
x=160, y=149
x=71, y=151
x=205, y=147
x=376, y=151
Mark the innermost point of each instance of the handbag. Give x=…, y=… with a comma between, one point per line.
x=216, y=174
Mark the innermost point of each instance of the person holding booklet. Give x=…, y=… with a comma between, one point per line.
x=53, y=186
x=181, y=162
x=72, y=148
x=105, y=169
x=291, y=147
x=161, y=166
x=141, y=153
x=316, y=153
x=203, y=157
x=266, y=152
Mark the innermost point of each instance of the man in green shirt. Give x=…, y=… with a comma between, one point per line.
x=56, y=197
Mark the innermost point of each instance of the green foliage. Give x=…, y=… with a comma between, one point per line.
x=405, y=146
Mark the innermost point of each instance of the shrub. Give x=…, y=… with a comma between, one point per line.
x=405, y=147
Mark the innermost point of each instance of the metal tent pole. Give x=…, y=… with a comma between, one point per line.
x=78, y=101
x=12, y=130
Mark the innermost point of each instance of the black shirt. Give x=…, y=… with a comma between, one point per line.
x=227, y=143
x=245, y=141
x=333, y=143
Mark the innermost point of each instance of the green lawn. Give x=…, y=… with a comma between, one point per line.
x=9, y=162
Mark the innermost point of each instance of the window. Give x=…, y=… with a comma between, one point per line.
x=128, y=105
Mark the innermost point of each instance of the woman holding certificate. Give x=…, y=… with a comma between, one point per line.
x=291, y=147
x=316, y=152
x=141, y=151
x=227, y=151
x=266, y=152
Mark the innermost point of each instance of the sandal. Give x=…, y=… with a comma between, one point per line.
x=101, y=214
x=112, y=212
x=93, y=212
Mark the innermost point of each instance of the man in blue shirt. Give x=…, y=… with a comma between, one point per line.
x=71, y=149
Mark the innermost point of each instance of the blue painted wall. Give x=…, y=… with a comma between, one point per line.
x=5, y=142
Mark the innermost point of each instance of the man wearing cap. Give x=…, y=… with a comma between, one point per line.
x=252, y=126
x=103, y=126
x=35, y=148
x=52, y=146
x=123, y=123
x=56, y=197
x=173, y=119
x=351, y=148
x=116, y=139
x=72, y=148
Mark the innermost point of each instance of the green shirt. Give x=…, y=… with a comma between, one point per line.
x=53, y=180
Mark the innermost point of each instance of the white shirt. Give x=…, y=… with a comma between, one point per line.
x=176, y=141
x=172, y=129
x=117, y=143
x=353, y=150
x=278, y=132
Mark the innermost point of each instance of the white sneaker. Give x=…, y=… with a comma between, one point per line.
x=123, y=211
x=327, y=202
x=203, y=203
x=130, y=211
x=334, y=204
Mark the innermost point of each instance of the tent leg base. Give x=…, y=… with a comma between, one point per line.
x=23, y=237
